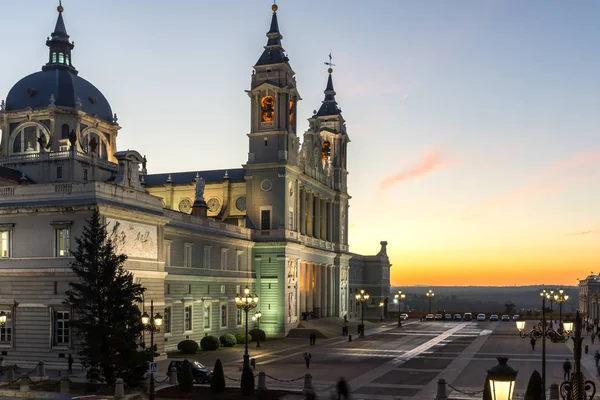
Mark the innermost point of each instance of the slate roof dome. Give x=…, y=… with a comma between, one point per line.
x=58, y=80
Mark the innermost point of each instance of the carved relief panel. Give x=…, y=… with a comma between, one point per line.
x=292, y=289
x=133, y=239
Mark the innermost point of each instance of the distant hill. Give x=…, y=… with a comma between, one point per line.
x=482, y=298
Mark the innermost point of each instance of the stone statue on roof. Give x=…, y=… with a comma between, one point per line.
x=200, y=184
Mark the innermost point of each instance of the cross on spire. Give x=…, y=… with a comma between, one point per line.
x=330, y=64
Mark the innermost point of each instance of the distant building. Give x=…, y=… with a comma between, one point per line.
x=589, y=297
x=279, y=224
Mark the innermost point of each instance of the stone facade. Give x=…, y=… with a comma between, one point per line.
x=589, y=297
x=279, y=225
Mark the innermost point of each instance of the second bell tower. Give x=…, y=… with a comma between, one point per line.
x=274, y=99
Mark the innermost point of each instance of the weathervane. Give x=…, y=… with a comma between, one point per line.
x=330, y=70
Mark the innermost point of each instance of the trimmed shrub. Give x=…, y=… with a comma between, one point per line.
x=217, y=384
x=239, y=337
x=210, y=343
x=185, y=377
x=228, y=340
x=247, y=381
x=188, y=347
x=534, y=387
x=255, y=334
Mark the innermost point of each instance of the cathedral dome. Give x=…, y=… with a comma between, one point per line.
x=65, y=87
x=58, y=84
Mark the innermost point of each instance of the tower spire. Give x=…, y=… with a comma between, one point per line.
x=329, y=105
x=59, y=44
x=274, y=52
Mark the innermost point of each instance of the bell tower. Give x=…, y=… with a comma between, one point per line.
x=274, y=98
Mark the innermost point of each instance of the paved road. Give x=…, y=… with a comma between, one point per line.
x=406, y=363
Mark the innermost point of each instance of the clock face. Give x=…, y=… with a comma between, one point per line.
x=213, y=204
x=240, y=203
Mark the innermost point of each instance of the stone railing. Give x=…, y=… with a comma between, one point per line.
x=57, y=155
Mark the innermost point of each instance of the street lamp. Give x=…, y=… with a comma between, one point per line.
x=550, y=296
x=2, y=318
x=362, y=297
x=381, y=306
x=577, y=388
x=257, y=315
x=152, y=325
x=246, y=302
x=430, y=294
x=502, y=380
x=568, y=327
x=560, y=298
x=399, y=297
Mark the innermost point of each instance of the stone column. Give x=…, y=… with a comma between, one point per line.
x=323, y=219
x=303, y=212
x=309, y=218
x=309, y=286
x=332, y=290
x=301, y=288
x=298, y=203
x=318, y=287
x=325, y=297
x=317, y=230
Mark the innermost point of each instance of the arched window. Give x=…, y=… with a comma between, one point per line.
x=267, y=105
x=53, y=56
x=67, y=58
x=26, y=140
x=64, y=133
x=61, y=58
x=104, y=152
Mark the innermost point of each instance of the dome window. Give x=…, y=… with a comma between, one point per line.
x=67, y=58
x=61, y=58
x=27, y=140
x=54, y=57
x=64, y=133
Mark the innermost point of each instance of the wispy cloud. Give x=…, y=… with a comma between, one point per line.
x=431, y=161
x=585, y=232
x=554, y=178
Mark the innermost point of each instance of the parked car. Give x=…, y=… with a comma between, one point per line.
x=438, y=317
x=403, y=317
x=516, y=316
x=494, y=317
x=429, y=317
x=200, y=373
x=448, y=317
x=468, y=316
x=480, y=317
x=457, y=317
x=505, y=318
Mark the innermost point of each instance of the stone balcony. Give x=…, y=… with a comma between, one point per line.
x=38, y=157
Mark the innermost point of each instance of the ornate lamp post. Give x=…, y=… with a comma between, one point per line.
x=560, y=298
x=550, y=296
x=381, y=304
x=430, y=294
x=152, y=325
x=544, y=295
x=362, y=297
x=399, y=297
x=502, y=380
x=257, y=315
x=578, y=386
x=246, y=302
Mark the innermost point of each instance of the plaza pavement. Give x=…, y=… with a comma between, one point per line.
x=403, y=363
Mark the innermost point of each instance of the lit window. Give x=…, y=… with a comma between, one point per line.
x=207, y=316
x=54, y=57
x=62, y=242
x=223, y=315
x=4, y=244
x=61, y=58
x=167, y=320
x=67, y=58
x=187, y=255
x=6, y=330
x=187, y=318
x=61, y=328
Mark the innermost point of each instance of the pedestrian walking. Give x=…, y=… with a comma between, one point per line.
x=567, y=369
x=532, y=343
x=70, y=362
x=307, y=357
x=342, y=389
x=597, y=358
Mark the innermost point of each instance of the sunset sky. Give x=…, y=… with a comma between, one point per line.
x=475, y=125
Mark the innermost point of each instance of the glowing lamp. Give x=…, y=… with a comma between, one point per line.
x=158, y=319
x=145, y=318
x=502, y=380
x=2, y=318
x=521, y=326
x=568, y=326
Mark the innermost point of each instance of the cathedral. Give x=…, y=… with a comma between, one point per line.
x=278, y=224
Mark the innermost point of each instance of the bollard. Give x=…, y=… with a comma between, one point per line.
x=65, y=385
x=119, y=390
x=10, y=374
x=441, y=390
x=349, y=338
x=173, y=376
x=554, y=391
x=41, y=369
x=262, y=381
x=24, y=384
x=307, y=381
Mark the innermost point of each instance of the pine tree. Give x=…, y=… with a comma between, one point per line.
x=106, y=321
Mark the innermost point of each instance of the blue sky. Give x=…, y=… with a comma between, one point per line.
x=475, y=125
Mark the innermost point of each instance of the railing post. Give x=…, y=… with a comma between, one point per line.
x=41, y=369
x=173, y=376
x=553, y=391
x=441, y=390
x=262, y=381
x=119, y=390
